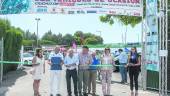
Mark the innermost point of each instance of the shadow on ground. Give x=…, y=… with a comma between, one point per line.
x=9, y=80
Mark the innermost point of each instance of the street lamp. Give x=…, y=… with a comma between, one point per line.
x=37, y=19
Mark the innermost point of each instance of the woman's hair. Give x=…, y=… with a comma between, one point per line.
x=107, y=49
x=135, y=50
x=37, y=52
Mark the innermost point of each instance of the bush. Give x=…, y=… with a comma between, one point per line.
x=12, y=43
x=12, y=46
x=47, y=42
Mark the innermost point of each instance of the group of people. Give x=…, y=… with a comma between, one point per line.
x=82, y=68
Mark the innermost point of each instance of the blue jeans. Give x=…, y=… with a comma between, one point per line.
x=123, y=72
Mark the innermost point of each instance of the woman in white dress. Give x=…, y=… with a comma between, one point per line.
x=38, y=70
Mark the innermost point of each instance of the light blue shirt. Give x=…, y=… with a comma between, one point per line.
x=73, y=62
x=123, y=57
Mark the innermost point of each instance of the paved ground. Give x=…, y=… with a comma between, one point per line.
x=19, y=83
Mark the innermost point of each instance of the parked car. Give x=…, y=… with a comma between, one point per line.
x=27, y=58
x=31, y=52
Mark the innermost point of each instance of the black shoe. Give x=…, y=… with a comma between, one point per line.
x=51, y=94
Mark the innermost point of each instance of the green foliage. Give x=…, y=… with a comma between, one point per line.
x=4, y=25
x=68, y=39
x=12, y=43
x=125, y=20
x=87, y=38
x=78, y=36
x=49, y=36
x=90, y=41
x=28, y=42
x=29, y=36
x=46, y=42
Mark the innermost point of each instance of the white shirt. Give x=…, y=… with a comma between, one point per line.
x=71, y=61
x=56, y=55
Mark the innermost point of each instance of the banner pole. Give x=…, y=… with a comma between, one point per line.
x=143, y=52
x=166, y=46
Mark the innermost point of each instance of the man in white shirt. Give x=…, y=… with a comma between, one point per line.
x=55, y=61
x=71, y=62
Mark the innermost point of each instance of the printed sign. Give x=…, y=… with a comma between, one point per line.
x=114, y=7
x=152, y=51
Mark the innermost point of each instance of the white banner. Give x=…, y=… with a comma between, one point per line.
x=152, y=51
x=115, y=7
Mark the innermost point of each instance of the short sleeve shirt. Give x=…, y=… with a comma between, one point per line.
x=83, y=59
x=56, y=60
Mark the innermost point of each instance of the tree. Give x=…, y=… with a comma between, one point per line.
x=79, y=37
x=67, y=39
x=48, y=36
x=59, y=38
x=99, y=40
x=4, y=26
x=86, y=38
x=29, y=38
x=126, y=20
x=12, y=45
x=91, y=41
x=46, y=42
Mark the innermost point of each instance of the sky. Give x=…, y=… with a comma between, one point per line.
x=71, y=23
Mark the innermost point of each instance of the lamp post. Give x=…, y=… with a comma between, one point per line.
x=37, y=20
